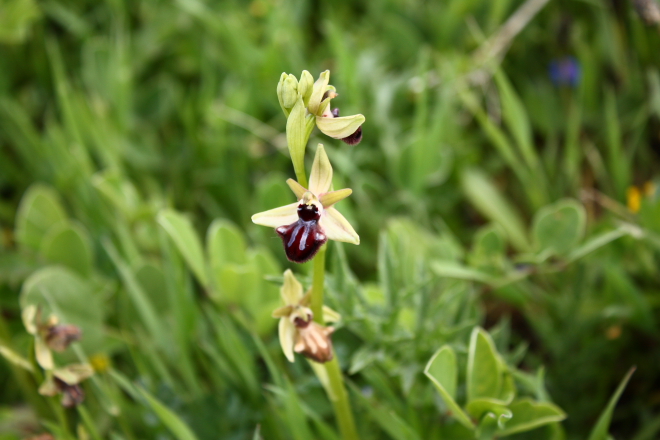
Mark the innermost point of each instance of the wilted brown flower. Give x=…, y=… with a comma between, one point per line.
x=313, y=340
x=59, y=337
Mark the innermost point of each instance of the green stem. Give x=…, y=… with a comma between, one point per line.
x=337, y=391
x=318, y=280
x=340, y=402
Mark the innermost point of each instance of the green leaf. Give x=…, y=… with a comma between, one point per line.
x=487, y=199
x=225, y=244
x=68, y=244
x=387, y=419
x=39, y=210
x=597, y=242
x=451, y=269
x=600, y=430
x=182, y=233
x=516, y=120
x=559, y=227
x=177, y=427
x=488, y=242
x=58, y=290
x=484, y=369
x=528, y=415
x=442, y=371
x=118, y=190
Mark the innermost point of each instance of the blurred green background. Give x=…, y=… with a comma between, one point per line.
x=507, y=178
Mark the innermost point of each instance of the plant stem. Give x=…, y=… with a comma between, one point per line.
x=340, y=402
x=318, y=280
x=337, y=391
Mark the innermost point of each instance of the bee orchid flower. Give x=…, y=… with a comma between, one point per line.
x=307, y=224
x=297, y=330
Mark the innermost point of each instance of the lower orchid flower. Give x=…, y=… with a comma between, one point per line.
x=298, y=332
x=307, y=224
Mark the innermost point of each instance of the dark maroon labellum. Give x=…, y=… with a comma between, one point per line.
x=355, y=138
x=304, y=238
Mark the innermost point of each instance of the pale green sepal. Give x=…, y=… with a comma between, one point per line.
x=284, y=215
x=329, y=315
x=29, y=316
x=291, y=291
x=297, y=188
x=332, y=197
x=337, y=228
x=287, y=333
x=43, y=354
x=320, y=87
x=289, y=91
x=442, y=371
x=320, y=178
x=305, y=86
x=74, y=373
x=296, y=137
x=339, y=128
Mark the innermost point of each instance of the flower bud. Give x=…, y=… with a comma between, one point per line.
x=59, y=337
x=305, y=86
x=287, y=91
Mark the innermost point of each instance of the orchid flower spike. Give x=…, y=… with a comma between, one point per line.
x=297, y=330
x=307, y=224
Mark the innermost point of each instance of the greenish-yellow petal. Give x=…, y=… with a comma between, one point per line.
x=281, y=312
x=297, y=188
x=332, y=197
x=329, y=315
